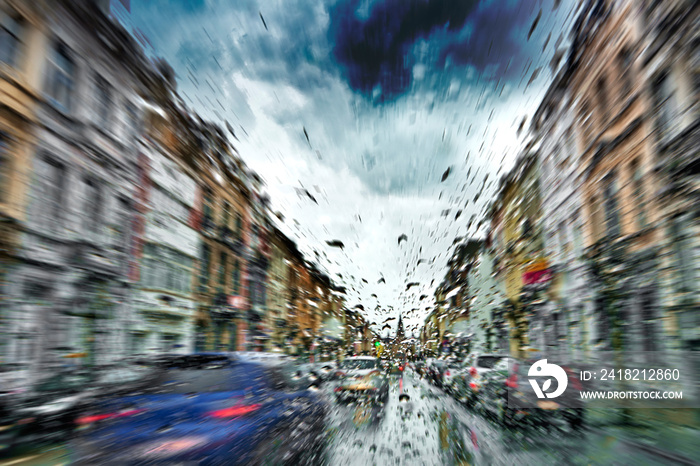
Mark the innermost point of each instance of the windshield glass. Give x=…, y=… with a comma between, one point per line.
x=487, y=362
x=360, y=364
x=415, y=189
x=64, y=382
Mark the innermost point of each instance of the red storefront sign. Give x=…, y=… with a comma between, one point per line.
x=537, y=276
x=537, y=272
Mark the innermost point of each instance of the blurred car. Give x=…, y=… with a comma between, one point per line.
x=467, y=383
x=419, y=367
x=48, y=411
x=397, y=367
x=435, y=370
x=450, y=374
x=508, y=396
x=207, y=408
x=361, y=377
x=319, y=372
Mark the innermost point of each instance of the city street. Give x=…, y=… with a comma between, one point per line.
x=224, y=222
x=432, y=428
x=421, y=424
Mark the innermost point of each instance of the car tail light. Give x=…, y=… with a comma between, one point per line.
x=473, y=372
x=84, y=420
x=234, y=411
x=512, y=381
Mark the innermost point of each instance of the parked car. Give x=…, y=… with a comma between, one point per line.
x=450, y=374
x=47, y=412
x=419, y=367
x=435, y=370
x=467, y=383
x=207, y=408
x=508, y=396
x=319, y=372
x=361, y=377
x=397, y=366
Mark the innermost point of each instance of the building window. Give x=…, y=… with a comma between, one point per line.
x=4, y=168
x=38, y=291
x=165, y=268
x=50, y=179
x=222, y=268
x=225, y=211
x=103, y=95
x=208, y=207
x=236, y=277
x=60, y=77
x=624, y=62
x=138, y=343
x=681, y=234
x=612, y=214
x=92, y=206
x=122, y=225
x=10, y=32
x=602, y=94
x=596, y=218
x=647, y=310
x=204, y=265
x=665, y=100
x=239, y=226
x=586, y=122
x=578, y=240
x=638, y=192
x=133, y=126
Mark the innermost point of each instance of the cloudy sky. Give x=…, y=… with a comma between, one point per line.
x=391, y=94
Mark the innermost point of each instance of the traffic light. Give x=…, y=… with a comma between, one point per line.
x=376, y=344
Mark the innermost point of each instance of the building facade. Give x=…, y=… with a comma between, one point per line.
x=70, y=287
x=567, y=310
x=622, y=230
x=670, y=66
x=162, y=318
x=518, y=250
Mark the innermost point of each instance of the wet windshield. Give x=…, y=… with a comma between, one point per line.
x=339, y=221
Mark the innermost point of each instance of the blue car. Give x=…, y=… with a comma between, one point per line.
x=207, y=409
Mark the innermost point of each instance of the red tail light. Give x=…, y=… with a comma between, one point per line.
x=512, y=381
x=234, y=411
x=473, y=372
x=101, y=417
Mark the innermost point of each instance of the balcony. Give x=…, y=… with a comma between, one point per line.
x=208, y=227
x=231, y=240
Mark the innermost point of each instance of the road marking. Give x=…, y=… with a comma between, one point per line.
x=19, y=460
